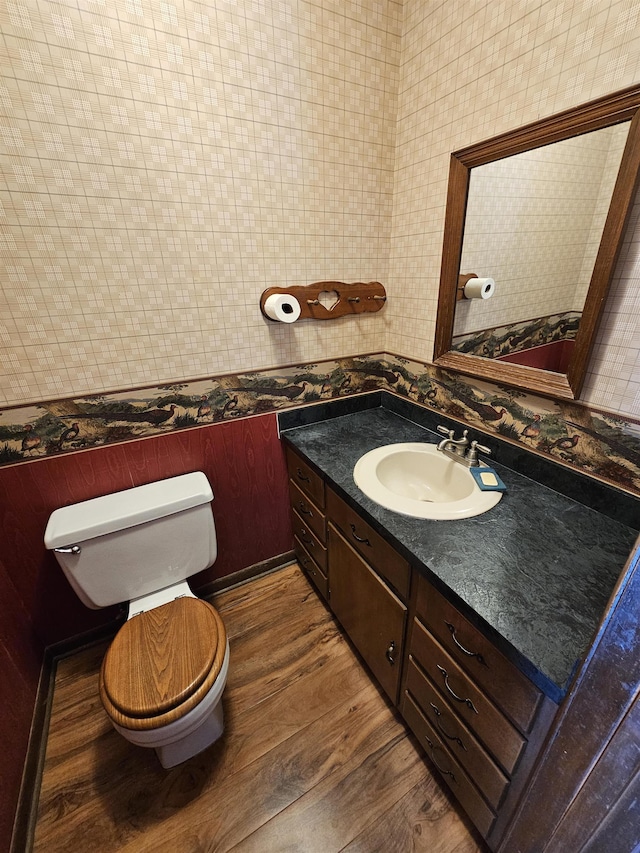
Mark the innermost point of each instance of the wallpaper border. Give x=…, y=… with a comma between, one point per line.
x=596, y=443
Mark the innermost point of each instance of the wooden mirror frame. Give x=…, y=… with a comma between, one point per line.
x=612, y=109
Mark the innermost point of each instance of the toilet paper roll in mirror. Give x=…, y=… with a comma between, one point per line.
x=282, y=307
x=479, y=288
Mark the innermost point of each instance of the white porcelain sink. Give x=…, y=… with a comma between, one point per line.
x=419, y=480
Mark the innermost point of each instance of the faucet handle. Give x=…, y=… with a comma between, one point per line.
x=481, y=448
x=445, y=431
x=472, y=453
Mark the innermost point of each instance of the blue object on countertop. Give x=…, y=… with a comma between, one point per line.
x=493, y=484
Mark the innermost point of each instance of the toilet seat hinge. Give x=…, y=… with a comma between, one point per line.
x=158, y=598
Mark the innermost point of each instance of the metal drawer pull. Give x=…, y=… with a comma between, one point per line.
x=307, y=563
x=454, y=738
x=476, y=655
x=357, y=538
x=390, y=654
x=303, y=508
x=301, y=476
x=433, y=748
x=308, y=542
x=467, y=702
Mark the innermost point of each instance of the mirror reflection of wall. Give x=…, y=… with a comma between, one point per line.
x=534, y=223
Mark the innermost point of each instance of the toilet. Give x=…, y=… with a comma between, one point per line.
x=163, y=676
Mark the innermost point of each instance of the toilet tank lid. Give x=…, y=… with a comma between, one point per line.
x=120, y=510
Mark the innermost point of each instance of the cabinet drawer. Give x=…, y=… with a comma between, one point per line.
x=308, y=511
x=503, y=741
x=507, y=686
x=311, y=569
x=306, y=478
x=491, y=781
x=452, y=773
x=310, y=541
x=384, y=559
x=372, y=616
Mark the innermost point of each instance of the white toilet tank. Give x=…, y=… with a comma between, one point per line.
x=137, y=541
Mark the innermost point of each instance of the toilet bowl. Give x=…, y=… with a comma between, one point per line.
x=162, y=678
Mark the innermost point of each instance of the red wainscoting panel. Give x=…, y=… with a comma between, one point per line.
x=18, y=694
x=20, y=657
x=245, y=464
x=243, y=460
x=554, y=356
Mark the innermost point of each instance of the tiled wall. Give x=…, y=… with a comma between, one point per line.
x=164, y=162
x=534, y=223
x=468, y=72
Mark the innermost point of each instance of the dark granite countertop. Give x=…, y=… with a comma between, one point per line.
x=535, y=572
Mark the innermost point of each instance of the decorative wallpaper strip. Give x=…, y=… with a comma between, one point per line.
x=598, y=444
x=503, y=340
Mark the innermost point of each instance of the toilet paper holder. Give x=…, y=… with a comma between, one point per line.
x=463, y=279
x=355, y=298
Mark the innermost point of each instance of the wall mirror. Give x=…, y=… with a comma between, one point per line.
x=541, y=211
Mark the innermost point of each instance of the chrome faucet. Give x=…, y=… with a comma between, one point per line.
x=453, y=446
x=456, y=448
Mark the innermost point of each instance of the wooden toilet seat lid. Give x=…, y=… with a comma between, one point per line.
x=161, y=659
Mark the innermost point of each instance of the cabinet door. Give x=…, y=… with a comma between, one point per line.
x=372, y=616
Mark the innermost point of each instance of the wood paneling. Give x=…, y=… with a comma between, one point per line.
x=18, y=694
x=313, y=757
x=20, y=658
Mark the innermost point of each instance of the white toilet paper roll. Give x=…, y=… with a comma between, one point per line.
x=282, y=307
x=479, y=288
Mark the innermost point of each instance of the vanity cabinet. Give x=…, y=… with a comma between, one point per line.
x=479, y=719
x=361, y=576
x=306, y=493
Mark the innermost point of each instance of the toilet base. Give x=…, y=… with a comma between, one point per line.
x=207, y=733
x=189, y=735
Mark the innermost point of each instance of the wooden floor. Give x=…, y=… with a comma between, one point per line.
x=313, y=759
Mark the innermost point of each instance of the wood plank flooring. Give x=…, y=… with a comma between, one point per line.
x=313, y=759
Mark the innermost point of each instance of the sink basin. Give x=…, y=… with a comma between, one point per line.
x=419, y=480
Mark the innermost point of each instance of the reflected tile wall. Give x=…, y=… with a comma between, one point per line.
x=533, y=223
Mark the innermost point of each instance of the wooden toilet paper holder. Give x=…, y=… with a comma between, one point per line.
x=356, y=298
